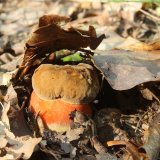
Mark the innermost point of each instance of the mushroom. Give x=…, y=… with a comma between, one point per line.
x=59, y=90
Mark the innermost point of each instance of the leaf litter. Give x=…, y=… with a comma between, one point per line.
x=131, y=69
x=14, y=147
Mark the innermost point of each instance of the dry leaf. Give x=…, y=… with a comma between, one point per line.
x=98, y=145
x=3, y=141
x=127, y=43
x=11, y=96
x=23, y=146
x=5, y=78
x=106, y=156
x=52, y=37
x=4, y=117
x=135, y=45
x=74, y=134
x=15, y=146
x=7, y=157
x=129, y=9
x=112, y=41
x=126, y=69
x=18, y=123
x=68, y=148
x=132, y=149
x=50, y=19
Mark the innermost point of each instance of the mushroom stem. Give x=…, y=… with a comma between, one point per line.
x=55, y=113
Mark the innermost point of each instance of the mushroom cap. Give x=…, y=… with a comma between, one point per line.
x=75, y=84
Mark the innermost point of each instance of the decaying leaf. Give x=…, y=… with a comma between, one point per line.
x=132, y=149
x=98, y=145
x=49, y=19
x=106, y=156
x=11, y=96
x=22, y=146
x=135, y=45
x=18, y=123
x=152, y=145
x=15, y=147
x=5, y=78
x=4, y=117
x=126, y=69
x=50, y=37
x=74, y=134
x=68, y=148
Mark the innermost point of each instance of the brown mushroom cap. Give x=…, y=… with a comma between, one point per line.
x=74, y=84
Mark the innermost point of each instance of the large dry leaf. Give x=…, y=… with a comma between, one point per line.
x=126, y=69
x=23, y=146
x=15, y=147
x=18, y=123
x=53, y=37
x=131, y=148
x=50, y=36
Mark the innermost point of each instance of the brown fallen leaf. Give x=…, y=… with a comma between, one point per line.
x=22, y=146
x=74, y=134
x=135, y=45
x=132, y=149
x=50, y=19
x=17, y=121
x=50, y=37
x=14, y=147
x=98, y=145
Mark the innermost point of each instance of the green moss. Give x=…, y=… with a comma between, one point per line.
x=72, y=58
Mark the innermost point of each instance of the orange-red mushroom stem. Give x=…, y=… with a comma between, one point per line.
x=55, y=113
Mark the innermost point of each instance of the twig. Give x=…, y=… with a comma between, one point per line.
x=140, y=120
x=150, y=15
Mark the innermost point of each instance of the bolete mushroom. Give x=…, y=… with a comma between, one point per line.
x=59, y=90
